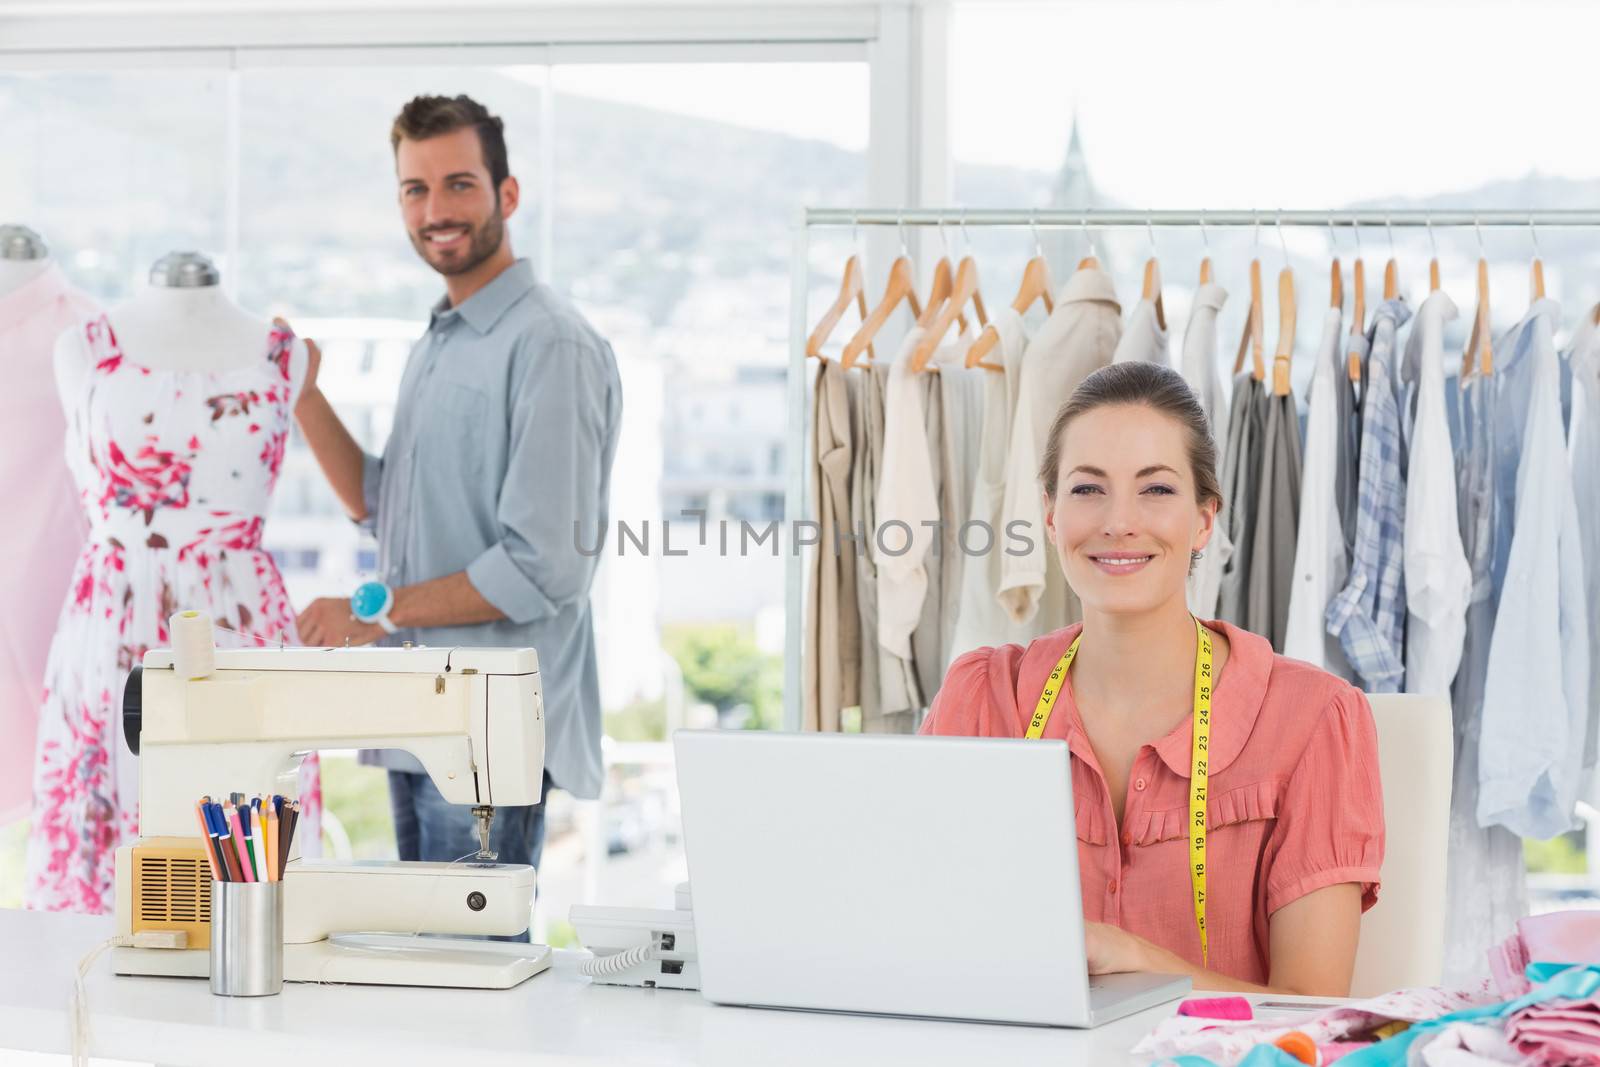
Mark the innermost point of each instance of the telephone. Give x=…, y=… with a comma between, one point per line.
x=649, y=947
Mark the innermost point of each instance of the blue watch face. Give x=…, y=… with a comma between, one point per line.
x=370, y=600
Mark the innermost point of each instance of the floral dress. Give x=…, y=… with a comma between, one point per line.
x=175, y=470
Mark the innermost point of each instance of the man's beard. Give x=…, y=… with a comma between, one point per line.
x=483, y=242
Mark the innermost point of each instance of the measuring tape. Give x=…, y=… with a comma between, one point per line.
x=1199, y=766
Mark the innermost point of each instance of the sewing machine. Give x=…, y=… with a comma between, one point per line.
x=474, y=717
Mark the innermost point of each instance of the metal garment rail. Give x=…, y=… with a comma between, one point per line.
x=796, y=491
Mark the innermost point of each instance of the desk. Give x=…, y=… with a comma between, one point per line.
x=554, y=1018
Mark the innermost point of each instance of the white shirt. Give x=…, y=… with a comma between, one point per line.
x=1534, y=716
x=1075, y=341
x=1583, y=451
x=1144, y=339
x=906, y=494
x=1438, y=577
x=1320, y=563
x=1200, y=371
x=982, y=620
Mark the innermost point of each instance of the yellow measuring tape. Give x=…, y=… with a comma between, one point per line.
x=1199, y=776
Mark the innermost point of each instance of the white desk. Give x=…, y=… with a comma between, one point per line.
x=554, y=1018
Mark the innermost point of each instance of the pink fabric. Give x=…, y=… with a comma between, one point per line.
x=176, y=470
x=40, y=540
x=1558, y=1032
x=1231, y=1008
x=1228, y=1043
x=1295, y=801
x=1556, y=937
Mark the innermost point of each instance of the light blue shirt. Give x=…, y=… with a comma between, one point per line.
x=499, y=464
x=1535, y=696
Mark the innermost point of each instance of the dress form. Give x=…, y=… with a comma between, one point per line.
x=23, y=257
x=183, y=322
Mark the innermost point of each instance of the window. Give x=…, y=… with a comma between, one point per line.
x=115, y=169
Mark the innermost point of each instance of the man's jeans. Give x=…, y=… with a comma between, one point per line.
x=428, y=827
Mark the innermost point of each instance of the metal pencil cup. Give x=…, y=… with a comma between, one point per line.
x=246, y=938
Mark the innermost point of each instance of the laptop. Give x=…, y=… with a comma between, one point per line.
x=933, y=877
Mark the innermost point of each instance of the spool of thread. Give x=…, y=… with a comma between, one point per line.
x=193, y=648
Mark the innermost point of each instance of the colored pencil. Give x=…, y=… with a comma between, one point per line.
x=241, y=844
x=270, y=821
x=208, y=843
x=230, y=856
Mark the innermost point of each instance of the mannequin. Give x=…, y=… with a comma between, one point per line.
x=39, y=550
x=23, y=257
x=182, y=322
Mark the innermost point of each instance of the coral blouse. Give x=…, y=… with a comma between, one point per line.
x=1295, y=800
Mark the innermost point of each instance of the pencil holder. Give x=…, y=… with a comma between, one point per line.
x=246, y=939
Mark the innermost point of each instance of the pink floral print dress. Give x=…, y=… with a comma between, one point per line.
x=175, y=470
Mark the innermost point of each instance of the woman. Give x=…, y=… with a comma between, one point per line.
x=1287, y=762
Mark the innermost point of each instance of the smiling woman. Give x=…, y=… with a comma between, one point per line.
x=1229, y=817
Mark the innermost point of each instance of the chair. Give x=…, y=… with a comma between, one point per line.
x=1402, y=936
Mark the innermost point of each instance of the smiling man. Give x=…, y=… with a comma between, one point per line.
x=498, y=465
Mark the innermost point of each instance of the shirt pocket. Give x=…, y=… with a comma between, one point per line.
x=461, y=429
x=1090, y=819
x=1249, y=810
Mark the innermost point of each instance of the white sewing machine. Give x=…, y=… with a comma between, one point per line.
x=474, y=717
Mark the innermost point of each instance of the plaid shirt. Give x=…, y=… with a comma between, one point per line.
x=1368, y=615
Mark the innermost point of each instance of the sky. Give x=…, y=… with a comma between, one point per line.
x=1215, y=103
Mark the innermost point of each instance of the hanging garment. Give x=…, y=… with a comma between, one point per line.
x=1537, y=686
x=1368, y=615
x=36, y=556
x=1438, y=580
x=1347, y=468
x=898, y=692
x=961, y=399
x=883, y=679
x=1241, y=473
x=833, y=642
x=1144, y=339
x=908, y=497
x=981, y=619
x=1277, y=506
x=1075, y=341
x=927, y=639
x=1486, y=886
x=176, y=471
x=1320, y=563
x=1200, y=371
x=1583, y=449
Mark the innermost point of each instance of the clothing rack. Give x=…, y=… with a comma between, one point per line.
x=795, y=495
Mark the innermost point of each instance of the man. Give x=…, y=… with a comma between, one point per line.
x=497, y=467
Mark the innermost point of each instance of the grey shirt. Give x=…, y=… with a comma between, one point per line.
x=499, y=464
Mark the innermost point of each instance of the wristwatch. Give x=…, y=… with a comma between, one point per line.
x=371, y=603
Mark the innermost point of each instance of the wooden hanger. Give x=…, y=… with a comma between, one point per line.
x=938, y=292
x=851, y=288
x=1336, y=286
x=1391, y=280
x=1286, y=324
x=964, y=289
x=1536, y=279
x=1358, y=323
x=1152, y=289
x=899, y=288
x=1036, y=285
x=1477, y=356
x=1251, y=337
x=1205, y=271
x=1433, y=275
